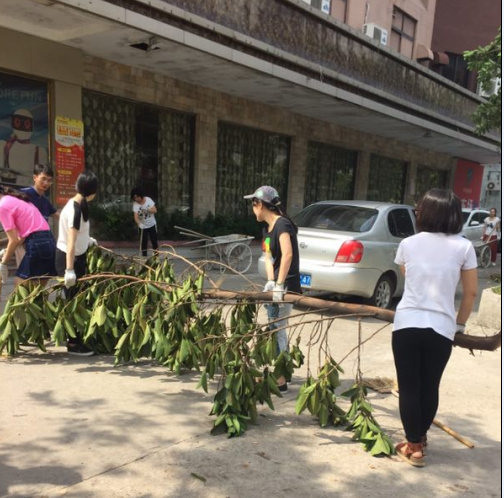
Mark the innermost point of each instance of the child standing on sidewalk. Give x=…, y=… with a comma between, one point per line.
x=144, y=210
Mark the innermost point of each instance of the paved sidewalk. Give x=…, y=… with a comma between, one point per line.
x=80, y=427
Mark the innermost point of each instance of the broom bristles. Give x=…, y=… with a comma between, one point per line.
x=382, y=385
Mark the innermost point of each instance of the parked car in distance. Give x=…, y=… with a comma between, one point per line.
x=348, y=247
x=473, y=223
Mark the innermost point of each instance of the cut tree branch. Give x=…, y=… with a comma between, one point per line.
x=466, y=341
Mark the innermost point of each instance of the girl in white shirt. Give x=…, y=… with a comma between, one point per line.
x=433, y=262
x=73, y=243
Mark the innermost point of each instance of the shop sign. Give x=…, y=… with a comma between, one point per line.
x=69, y=158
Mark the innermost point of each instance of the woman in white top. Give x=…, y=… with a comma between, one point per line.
x=144, y=209
x=433, y=262
x=492, y=232
x=73, y=243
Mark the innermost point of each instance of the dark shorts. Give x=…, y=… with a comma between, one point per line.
x=39, y=258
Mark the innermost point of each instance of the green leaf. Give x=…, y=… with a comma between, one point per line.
x=203, y=382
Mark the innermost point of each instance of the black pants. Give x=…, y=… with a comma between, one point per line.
x=145, y=233
x=420, y=357
x=80, y=268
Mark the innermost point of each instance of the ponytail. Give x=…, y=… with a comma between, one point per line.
x=276, y=207
x=282, y=213
x=14, y=193
x=86, y=185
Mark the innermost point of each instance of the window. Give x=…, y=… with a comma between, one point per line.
x=337, y=217
x=246, y=159
x=330, y=173
x=479, y=217
x=456, y=70
x=400, y=223
x=386, y=179
x=428, y=178
x=403, y=33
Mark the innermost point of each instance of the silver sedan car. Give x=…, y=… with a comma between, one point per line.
x=348, y=247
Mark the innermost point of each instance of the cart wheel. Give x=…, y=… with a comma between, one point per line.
x=485, y=256
x=239, y=257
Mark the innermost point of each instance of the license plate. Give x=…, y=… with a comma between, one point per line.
x=305, y=280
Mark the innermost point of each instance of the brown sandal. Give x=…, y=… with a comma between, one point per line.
x=405, y=451
x=424, y=444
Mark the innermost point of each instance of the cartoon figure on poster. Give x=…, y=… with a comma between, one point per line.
x=23, y=129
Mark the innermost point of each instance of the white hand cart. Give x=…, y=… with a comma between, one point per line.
x=233, y=250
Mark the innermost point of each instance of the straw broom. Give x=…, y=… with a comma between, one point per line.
x=386, y=385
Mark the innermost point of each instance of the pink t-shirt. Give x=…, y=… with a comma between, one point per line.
x=20, y=215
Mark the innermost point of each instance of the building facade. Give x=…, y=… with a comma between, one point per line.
x=201, y=102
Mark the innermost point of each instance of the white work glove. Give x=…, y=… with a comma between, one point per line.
x=270, y=285
x=92, y=242
x=4, y=273
x=278, y=292
x=70, y=278
x=460, y=329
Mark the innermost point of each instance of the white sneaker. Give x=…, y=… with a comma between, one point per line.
x=493, y=264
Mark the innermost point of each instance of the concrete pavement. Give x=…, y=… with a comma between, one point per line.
x=80, y=427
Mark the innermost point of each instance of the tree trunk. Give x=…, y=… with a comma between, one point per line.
x=465, y=341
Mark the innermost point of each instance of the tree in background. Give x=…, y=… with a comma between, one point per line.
x=487, y=62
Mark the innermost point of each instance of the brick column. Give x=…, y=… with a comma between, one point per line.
x=205, y=164
x=362, y=175
x=410, y=183
x=297, y=174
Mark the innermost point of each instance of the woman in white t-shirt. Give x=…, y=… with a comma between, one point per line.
x=144, y=209
x=73, y=243
x=433, y=262
x=492, y=233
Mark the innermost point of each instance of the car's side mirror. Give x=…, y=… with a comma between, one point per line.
x=474, y=223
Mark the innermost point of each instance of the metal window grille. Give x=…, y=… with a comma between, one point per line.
x=386, y=179
x=330, y=173
x=131, y=144
x=246, y=159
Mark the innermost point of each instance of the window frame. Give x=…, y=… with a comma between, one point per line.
x=402, y=34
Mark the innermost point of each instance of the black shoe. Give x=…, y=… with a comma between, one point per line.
x=283, y=388
x=79, y=350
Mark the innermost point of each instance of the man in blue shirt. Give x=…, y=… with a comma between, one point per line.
x=42, y=181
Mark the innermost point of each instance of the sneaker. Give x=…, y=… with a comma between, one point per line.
x=79, y=350
x=493, y=264
x=283, y=388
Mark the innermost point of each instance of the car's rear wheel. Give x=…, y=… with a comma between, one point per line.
x=383, y=293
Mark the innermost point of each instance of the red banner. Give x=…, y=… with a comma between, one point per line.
x=69, y=140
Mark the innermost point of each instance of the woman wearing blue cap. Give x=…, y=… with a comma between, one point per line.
x=282, y=260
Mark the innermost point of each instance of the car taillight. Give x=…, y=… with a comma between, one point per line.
x=350, y=251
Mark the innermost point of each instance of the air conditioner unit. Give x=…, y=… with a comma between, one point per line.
x=495, y=84
x=376, y=32
x=494, y=186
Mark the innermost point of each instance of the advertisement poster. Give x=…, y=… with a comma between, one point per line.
x=468, y=181
x=24, y=129
x=69, y=158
